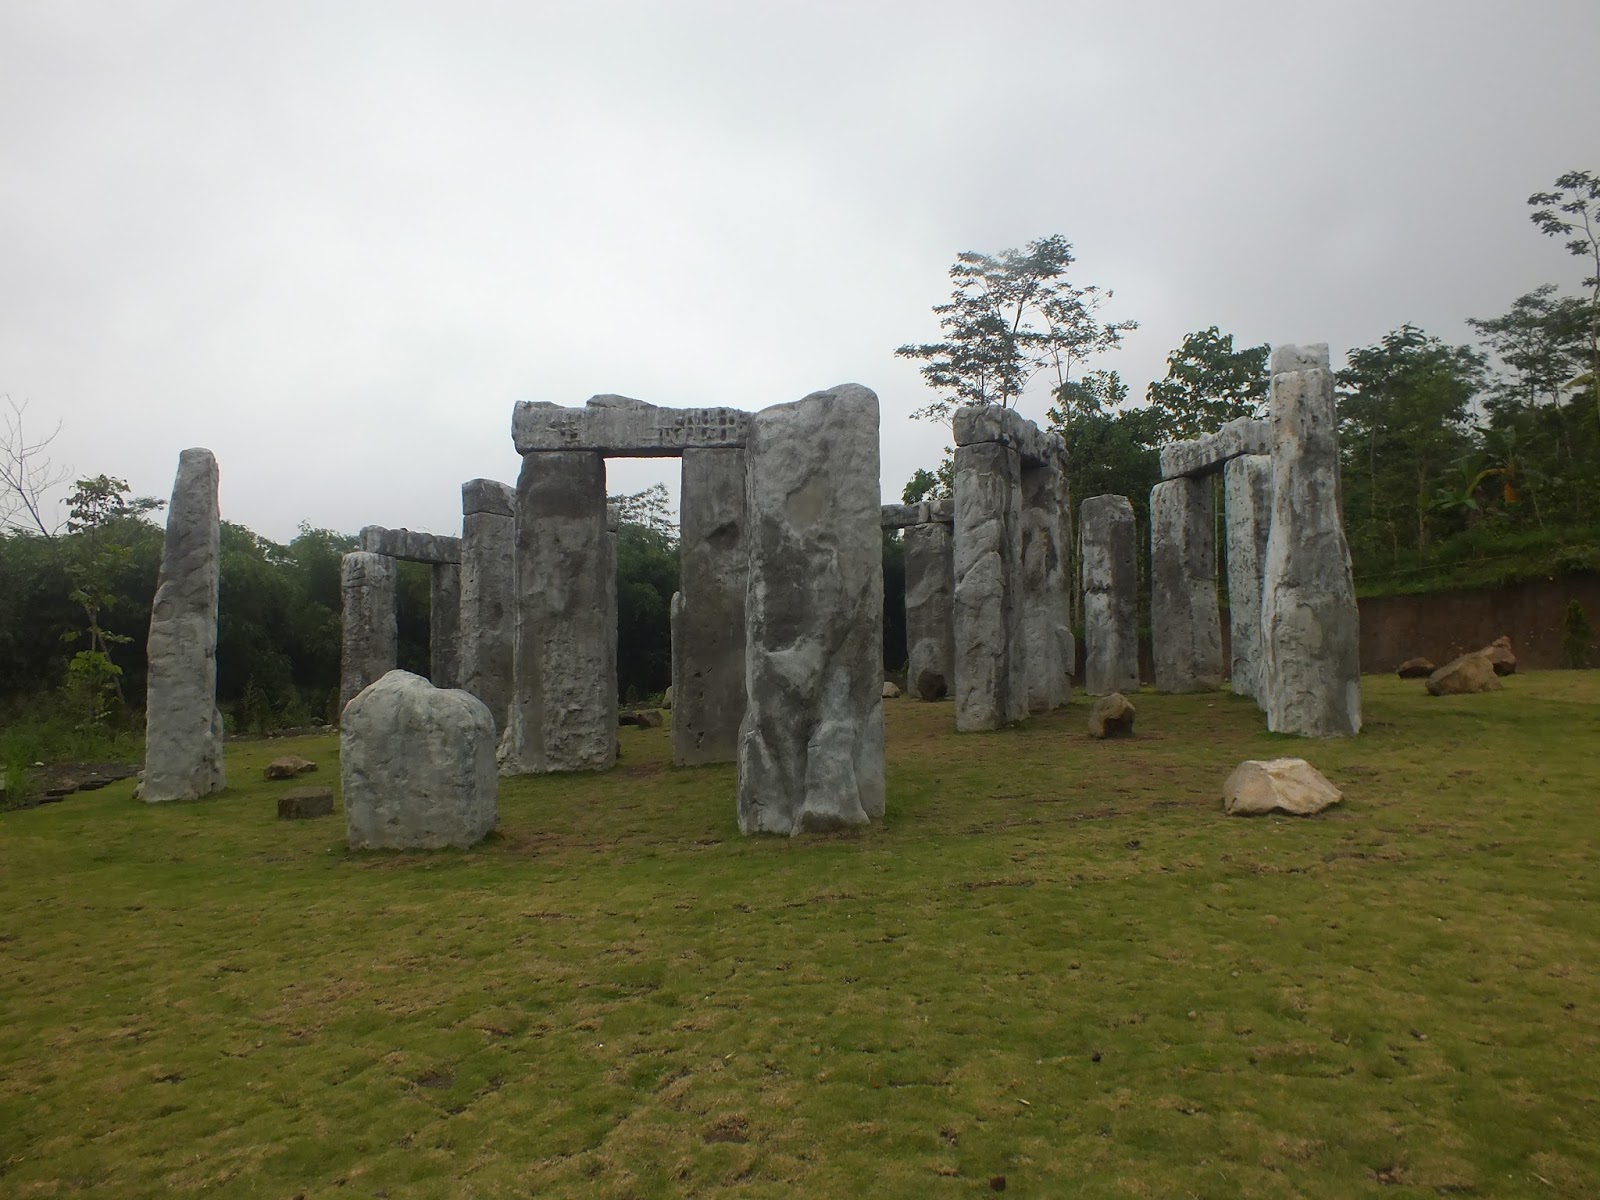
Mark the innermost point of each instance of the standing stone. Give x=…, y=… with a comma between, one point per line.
x=488, y=591
x=991, y=670
x=708, y=608
x=444, y=626
x=1046, y=629
x=416, y=766
x=1110, y=596
x=930, y=615
x=564, y=704
x=1310, y=627
x=183, y=729
x=1185, y=622
x=811, y=746
x=368, y=583
x=1247, y=501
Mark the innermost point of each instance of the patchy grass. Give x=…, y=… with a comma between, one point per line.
x=1055, y=963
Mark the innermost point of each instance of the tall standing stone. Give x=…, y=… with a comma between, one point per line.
x=1185, y=621
x=367, y=582
x=488, y=593
x=811, y=746
x=564, y=705
x=1046, y=629
x=1247, y=501
x=708, y=608
x=991, y=671
x=1310, y=625
x=1110, y=596
x=183, y=729
x=444, y=625
x=930, y=615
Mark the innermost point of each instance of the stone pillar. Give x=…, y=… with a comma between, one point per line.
x=1185, y=623
x=811, y=746
x=991, y=673
x=368, y=583
x=563, y=714
x=444, y=626
x=1310, y=626
x=183, y=729
x=1247, y=516
x=930, y=615
x=488, y=591
x=708, y=608
x=1110, y=596
x=1046, y=631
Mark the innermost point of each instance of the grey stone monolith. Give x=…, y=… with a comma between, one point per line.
x=811, y=746
x=416, y=766
x=708, y=608
x=367, y=582
x=444, y=625
x=991, y=684
x=1185, y=621
x=930, y=611
x=1046, y=608
x=563, y=713
x=488, y=593
x=183, y=730
x=1110, y=596
x=1310, y=626
x=1247, y=516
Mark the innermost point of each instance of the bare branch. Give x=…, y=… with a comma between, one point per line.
x=26, y=473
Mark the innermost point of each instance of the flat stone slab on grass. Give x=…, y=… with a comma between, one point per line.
x=1111, y=716
x=1282, y=785
x=1462, y=676
x=288, y=767
x=305, y=803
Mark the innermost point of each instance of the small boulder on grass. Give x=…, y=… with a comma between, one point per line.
x=643, y=718
x=1462, y=676
x=1499, y=654
x=289, y=766
x=1416, y=668
x=1286, y=785
x=1111, y=716
x=891, y=690
x=304, y=803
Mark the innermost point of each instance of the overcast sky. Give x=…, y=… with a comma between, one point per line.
x=336, y=242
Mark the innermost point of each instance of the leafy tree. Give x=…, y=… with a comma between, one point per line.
x=937, y=484
x=1573, y=211
x=1011, y=316
x=1209, y=383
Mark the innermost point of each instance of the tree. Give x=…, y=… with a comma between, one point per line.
x=1574, y=209
x=1209, y=383
x=1011, y=316
x=937, y=484
x=26, y=473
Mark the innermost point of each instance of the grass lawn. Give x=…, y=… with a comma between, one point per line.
x=1056, y=962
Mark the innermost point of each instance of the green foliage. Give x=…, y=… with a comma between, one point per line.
x=1208, y=384
x=18, y=780
x=1576, y=635
x=647, y=575
x=937, y=484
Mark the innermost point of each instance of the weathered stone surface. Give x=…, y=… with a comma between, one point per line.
x=1286, y=785
x=416, y=765
x=563, y=713
x=1185, y=623
x=1049, y=648
x=1111, y=716
x=811, y=747
x=622, y=426
x=183, y=729
x=708, y=609
x=444, y=626
x=930, y=611
x=367, y=582
x=1470, y=673
x=1500, y=654
x=288, y=767
x=410, y=545
x=1310, y=627
x=991, y=675
x=1203, y=455
x=1247, y=501
x=974, y=424
x=899, y=516
x=305, y=803
x=1416, y=668
x=488, y=594
x=891, y=690
x=1110, y=596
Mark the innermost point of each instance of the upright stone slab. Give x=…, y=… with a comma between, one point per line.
x=1310, y=626
x=1046, y=608
x=1110, y=596
x=488, y=591
x=930, y=610
x=1247, y=499
x=564, y=699
x=183, y=730
x=991, y=684
x=367, y=582
x=444, y=625
x=1185, y=622
x=811, y=746
x=708, y=608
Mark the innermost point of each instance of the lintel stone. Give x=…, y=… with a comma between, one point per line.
x=410, y=545
x=626, y=428
x=1202, y=455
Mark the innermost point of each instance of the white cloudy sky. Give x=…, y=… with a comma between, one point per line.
x=335, y=242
